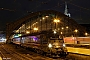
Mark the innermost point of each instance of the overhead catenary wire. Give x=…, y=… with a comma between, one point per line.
x=77, y=5
x=80, y=6
x=7, y=9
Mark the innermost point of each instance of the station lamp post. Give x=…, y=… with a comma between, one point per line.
x=75, y=34
x=56, y=21
x=76, y=31
x=86, y=34
x=67, y=31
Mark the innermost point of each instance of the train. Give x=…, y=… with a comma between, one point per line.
x=77, y=40
x=41, y=44
x=2, y=41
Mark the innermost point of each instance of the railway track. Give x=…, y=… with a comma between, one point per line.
x=11, y=53
x=7, y=53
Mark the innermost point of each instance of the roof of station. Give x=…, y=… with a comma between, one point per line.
x=16, y=24
x=20, y=21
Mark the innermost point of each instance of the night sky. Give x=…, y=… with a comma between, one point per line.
x=11, y=10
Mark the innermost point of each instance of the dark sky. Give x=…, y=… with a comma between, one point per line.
x=11, y=10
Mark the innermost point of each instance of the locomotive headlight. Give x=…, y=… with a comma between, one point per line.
x=64, y=45
x=50, y=45
x=57, y=46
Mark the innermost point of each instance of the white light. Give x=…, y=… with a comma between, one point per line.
x=35, y=28
x=16, y=36
x=62, y=28
x=64, y=45
x=56, y=20
x=47, y=16
x=57, y=46
x=86, y=34
x=61, y=33
x=76, y=30
x=67, y=27
x=27, y=32
x=55, y=32
x=43, y=18
x=50, y=45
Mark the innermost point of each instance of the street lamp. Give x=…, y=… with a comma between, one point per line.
x=67, y=27
x=86, y=34
x=54, y=32
x=67, y=30
x=35, y=29
x=56, y=21
x=27, y=32
x=76, y=34
x=61, y=32
x=76, y=30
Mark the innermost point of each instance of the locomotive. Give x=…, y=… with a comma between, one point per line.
x=43, y=45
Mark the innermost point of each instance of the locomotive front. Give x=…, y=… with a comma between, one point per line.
x=56, y=46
